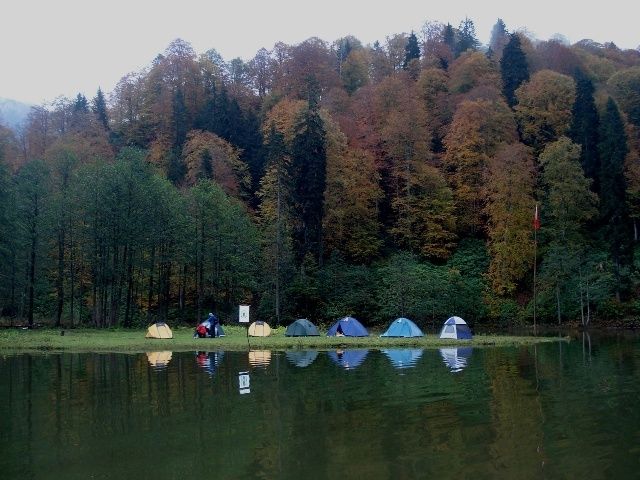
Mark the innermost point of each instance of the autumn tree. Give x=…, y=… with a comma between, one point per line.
x=544, y=108
x=478, y=128
x=510, y=183
x=499, y=38
x=625, y=88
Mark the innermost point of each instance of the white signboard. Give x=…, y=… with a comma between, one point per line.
x=243, y=382
x=243, y=315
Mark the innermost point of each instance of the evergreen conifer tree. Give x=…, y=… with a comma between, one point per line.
x=309, y=160
x=513, y=68
x=99, y=108
x=584, y=127
x=467, y=38
x=411, y=50
x=613, y=206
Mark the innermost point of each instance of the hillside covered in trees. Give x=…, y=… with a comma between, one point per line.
x=324, y=179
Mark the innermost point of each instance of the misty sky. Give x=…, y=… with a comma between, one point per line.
x=62, y=47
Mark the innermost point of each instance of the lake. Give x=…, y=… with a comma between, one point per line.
x=559, y=410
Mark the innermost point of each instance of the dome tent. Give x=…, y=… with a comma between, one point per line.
x=159, y=330
x=302, y=328
x=457, y=328
x=349, y=327
x=259, y=329
x=403, y=327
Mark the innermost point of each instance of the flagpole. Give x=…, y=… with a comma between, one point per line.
x=535, y=263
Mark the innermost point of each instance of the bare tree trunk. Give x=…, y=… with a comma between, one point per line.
x=558, y=303
x=150, y=290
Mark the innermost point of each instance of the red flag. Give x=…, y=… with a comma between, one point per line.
x=536, y=219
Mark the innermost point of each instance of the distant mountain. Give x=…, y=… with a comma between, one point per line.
x=13, y=113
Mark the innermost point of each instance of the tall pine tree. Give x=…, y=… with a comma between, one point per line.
x=411, y=51
x=584, y=127
x=513, y=68
x=614, y=214
x=309, y=158
x=99, y=108
x=467, y=38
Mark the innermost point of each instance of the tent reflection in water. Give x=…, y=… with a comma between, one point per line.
x=347, y=327
x=259, y=358
x=456, y=328
x=301, y=358
x=159, y=330
x=348, y=359
x=159, y=360
x=403, y=327
x=403, y=357
x=302, y=328
x=209, y=361
x=456, y=358
x=259, y=329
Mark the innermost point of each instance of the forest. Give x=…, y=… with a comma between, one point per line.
x=326, y=179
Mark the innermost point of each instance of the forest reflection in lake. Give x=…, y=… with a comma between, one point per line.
x=569, y=410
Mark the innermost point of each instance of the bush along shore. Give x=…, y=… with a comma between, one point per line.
x=120, y=340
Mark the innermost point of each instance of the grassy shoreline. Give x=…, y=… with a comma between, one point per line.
x=92, y=340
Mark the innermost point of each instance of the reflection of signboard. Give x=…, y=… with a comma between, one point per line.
x=243, y=382
x=243, y=316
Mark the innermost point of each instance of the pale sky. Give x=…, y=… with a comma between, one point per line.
x=62, y=47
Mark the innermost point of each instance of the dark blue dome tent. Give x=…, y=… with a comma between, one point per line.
x=348, y=327
x=456, y=358
x=302, y=328
x=403, y=327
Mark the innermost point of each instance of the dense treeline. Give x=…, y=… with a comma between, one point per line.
x=319, y=180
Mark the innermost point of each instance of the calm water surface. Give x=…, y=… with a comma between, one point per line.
x=565, y=410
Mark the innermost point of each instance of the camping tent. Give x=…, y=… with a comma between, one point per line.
x=403, y=357
x=159, y=360
x=302, y=328
x=349, y=327
x=259, y=329
x=455, y=327
x=348, y=359
x=403, y=327
x=159, y=330
x=302, y=358
x=456, y=358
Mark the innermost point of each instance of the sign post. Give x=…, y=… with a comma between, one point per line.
x=243, y=317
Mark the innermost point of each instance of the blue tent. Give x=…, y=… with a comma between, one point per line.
x=349, y=327
x=456, y=358
x=301, y=358
x=403, y=327
x=403, y=357
x=348, y=359
x=302, y=328
x=456, y=328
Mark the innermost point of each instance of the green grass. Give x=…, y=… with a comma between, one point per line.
x=92, y=340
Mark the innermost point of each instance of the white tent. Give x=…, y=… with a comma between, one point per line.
x=456, y=328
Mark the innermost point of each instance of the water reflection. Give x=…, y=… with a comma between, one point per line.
x=302, y=358
x=348, y=359
x=209, y=361
x=403, y=357
x=260, y=358
x=159, y=360
x=456, y=358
